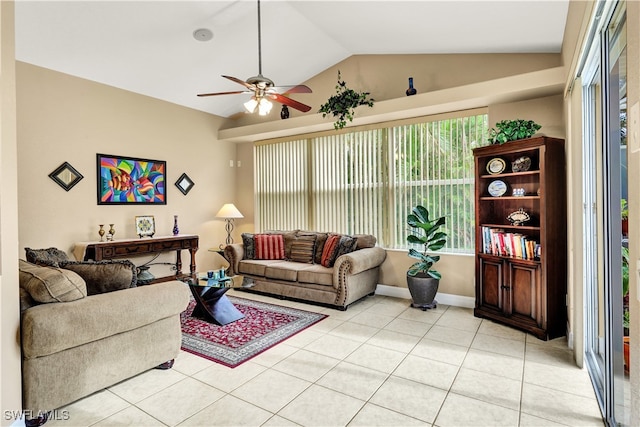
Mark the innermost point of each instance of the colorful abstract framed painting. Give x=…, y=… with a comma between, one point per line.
x=130, y=180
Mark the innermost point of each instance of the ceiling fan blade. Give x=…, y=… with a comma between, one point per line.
x=241, y=82
x=290, y=102
x=292, y=89
x=224, y=93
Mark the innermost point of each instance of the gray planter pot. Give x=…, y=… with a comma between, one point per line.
x=423, y=290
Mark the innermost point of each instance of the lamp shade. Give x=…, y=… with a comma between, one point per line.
x=229, y=211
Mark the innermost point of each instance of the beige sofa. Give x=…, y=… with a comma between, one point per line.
x=353, y=275
x=74, y=344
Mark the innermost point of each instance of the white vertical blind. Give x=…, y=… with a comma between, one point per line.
x=347, y=183
x=367, y=181
x=282, y=185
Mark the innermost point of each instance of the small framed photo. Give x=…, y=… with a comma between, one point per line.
x=145, y=226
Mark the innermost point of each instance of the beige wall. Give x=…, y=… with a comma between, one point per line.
x=64, y=118
x=10, y=388
x=386, y=76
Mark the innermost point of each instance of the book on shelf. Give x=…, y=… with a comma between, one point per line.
x=497, y=241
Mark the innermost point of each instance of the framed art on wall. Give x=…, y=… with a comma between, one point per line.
x=130, y=180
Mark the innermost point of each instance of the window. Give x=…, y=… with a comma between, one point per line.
x=367, y=181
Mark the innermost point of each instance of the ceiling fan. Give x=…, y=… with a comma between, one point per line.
x=264, y=89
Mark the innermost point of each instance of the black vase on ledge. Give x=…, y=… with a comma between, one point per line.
x=411, y=90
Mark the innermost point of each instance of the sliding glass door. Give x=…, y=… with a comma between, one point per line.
x=605, y=184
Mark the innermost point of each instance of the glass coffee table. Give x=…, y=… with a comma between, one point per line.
x=211, y=302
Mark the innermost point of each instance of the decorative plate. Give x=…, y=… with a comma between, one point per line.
x=496, y=166
x=521, y=164
x=145, y=226
x=518, y=217
x=497, y=188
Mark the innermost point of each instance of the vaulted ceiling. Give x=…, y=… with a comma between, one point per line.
x=148, y=47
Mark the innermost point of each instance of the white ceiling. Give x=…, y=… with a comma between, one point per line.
x=148, y=47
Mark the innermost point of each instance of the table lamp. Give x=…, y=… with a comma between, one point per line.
x=228, y=212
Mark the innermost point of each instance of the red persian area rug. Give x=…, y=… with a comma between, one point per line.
x=263, y=326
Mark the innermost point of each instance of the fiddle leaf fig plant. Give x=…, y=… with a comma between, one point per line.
x=511, y=130
x=342, y=104
x=426, y=232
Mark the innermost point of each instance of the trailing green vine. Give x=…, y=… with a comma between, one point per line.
x=343, y=103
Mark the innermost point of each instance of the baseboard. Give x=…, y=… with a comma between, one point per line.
x=448, y=299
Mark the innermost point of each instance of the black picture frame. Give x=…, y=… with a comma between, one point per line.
x=124, y=180
x=66, y=176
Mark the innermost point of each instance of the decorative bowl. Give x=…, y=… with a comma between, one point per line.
x=521, y=164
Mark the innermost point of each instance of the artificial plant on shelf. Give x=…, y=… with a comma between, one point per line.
x=511, y=130
x=343, y=103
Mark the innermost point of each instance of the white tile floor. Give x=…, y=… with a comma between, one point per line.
x=380, y=363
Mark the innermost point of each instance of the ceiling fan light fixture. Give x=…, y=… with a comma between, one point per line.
x=251, y=105
x=264, y=106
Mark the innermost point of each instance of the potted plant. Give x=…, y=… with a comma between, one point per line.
x=624, y=214
x=342, y=104
x=511, y=130
x=422, y=279
x=625, y=306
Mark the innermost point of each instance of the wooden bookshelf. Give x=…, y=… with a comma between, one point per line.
x=527, y=293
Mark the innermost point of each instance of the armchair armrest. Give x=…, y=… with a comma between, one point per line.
x=234, y=254
x=360, y=260
x=49, y=328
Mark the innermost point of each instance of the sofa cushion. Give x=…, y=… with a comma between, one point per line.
x=254, y=267
x=49, y=256
x=321, y=238
x=284, y=270
x=248, y=243
x=317, y=275
x=336, y=245
x=269, y=246
x=303, y=249
x=48, y=284
x=365, y=241
x=104, y=276
x=288, y=237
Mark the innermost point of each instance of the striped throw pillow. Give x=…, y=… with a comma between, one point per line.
x=303, y=249
x=335, y=246
x=269, y=246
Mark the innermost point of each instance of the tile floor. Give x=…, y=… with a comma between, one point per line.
x=380, y=363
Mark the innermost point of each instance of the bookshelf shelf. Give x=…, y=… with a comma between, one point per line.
x=521, y=269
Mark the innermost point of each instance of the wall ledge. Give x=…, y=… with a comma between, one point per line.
x=520, y=87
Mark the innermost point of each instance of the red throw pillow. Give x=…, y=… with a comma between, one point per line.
x=329, y=251
x=269, y=246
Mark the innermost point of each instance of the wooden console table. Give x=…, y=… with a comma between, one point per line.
x=98, y=251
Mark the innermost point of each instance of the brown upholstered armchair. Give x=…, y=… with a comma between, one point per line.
x=80, y=336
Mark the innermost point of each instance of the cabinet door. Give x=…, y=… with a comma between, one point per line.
x=491, y=280
x=524, y=296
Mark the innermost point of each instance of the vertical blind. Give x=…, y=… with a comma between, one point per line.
x=367, y=181
x=282, y=185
